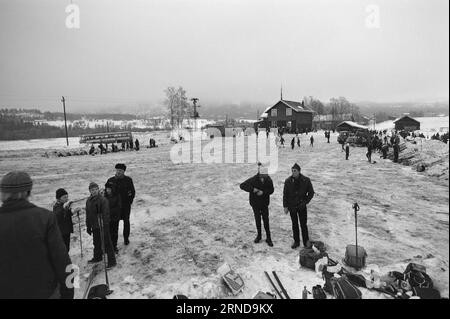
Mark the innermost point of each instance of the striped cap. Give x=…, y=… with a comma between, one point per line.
x=16, y=182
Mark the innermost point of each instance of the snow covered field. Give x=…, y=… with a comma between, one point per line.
x=188, y=219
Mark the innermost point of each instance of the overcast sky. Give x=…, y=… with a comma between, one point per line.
x=129, y=51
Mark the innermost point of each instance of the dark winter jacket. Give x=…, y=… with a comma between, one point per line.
x=125, y=188
x=33, y=257
x=115, y=206
x=96, y=205
x=266, y=187
x=297, y=191
x=64, y=218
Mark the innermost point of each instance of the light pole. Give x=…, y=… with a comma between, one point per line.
x=63, y=100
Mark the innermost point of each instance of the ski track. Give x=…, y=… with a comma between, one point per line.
x=188, y=219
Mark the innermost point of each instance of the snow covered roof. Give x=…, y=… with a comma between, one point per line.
x=405, y=116
x=353, y=124
x=296, y=106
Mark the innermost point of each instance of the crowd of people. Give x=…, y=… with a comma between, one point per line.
x=35, y=243
x=125, y=146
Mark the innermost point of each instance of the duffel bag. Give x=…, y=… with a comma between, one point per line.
x=343, y=289
x=308, y=258
x=355, y=256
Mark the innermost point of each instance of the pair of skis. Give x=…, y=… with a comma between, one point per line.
x=283, y=291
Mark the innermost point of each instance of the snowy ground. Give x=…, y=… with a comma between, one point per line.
x=188, y=219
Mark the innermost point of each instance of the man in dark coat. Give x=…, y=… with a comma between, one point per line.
x=97, y=219
x=136, y=143
x=34, y=263
x=126, y=191
x=297, y=193
x=260, y=187
x=63, y=215
x=293, y=143
x=115, y=208
x=311, y=141
x=347, y=150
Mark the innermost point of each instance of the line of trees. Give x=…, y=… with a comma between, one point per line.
x=336, y=106
x=14, y=128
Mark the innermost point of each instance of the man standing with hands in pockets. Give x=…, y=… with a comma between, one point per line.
x=297, y=193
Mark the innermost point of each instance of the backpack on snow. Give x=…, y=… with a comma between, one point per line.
x=318, y=292
x=417, y=277
x=308, y=257
x=340, y=288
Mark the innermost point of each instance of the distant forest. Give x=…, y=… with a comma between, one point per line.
x=15, y=128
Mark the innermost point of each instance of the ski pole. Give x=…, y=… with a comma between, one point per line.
x=356, y=208
x=79, y=227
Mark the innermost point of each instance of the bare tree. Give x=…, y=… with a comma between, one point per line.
x=177, y=105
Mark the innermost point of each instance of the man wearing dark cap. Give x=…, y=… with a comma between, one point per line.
x=33, y=258
x=125, y=189
x=260, y=187
x=297, y=193
x=63, y=215
x=97, y=225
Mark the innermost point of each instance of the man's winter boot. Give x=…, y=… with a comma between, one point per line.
x=269, y=242
x=295, y=245
x=126, y=241
x=257, y=239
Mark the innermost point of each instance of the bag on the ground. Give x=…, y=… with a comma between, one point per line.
x=417, y=277
x=426, y=293
x=308, y=257
x=357, y=280
x=318, y=292
x=355, y=256
x=264, y=295
x=98, y=292
x=342, y=288
x=317, y=244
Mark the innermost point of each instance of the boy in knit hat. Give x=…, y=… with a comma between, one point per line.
x=63, y=213
x=33, y=257
x=97, y=215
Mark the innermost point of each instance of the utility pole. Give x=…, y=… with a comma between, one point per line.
x=63, y=100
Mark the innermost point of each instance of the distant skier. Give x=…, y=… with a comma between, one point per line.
x=328, y=137
x=260, y=187
x=369, y=152
x=282, y=141
x=63, y=213
x=34, y=260
x=298, y=141
x=136, y=143
x=311, y=139
x=347, y=150
x=293, y=143
x=396, y=152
